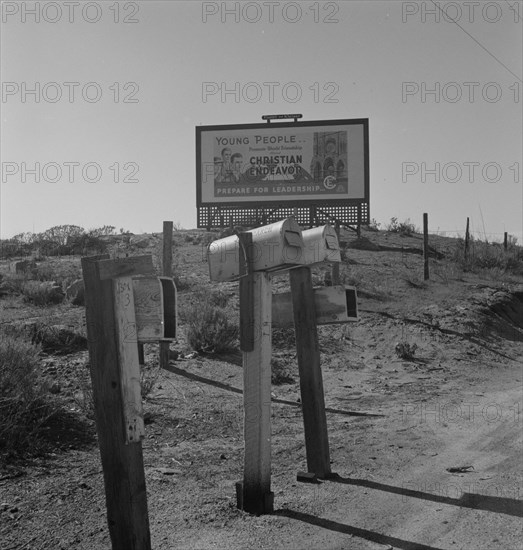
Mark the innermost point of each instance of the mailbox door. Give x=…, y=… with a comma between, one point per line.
x=148, y=304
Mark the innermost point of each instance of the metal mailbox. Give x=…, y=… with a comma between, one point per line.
x=275, y=247
x=321, y=245
x=333, y=304
x=155, y=304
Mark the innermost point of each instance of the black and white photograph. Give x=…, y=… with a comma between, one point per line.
x=261, y=275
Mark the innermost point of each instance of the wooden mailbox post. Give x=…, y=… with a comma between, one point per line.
x=125, y=304
x=251, y=257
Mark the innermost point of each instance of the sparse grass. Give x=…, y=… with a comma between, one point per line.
x=42, y=293
x=405, y=228
x=446, y=271
x=24, y=408
x=482, y=255
x=62, y=272
x=148, y=377
x=211, y=326
x=415, y=281
x=83, y=397
x=57, y=339
x=366, y=288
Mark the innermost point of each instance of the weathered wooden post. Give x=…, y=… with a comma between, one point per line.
x=255, y=495
x=251, y=257
x=277, y=247
x=311, y=380
x=321, y=246
x=167, y=271
x=113, y=353
x=336, y=265
x=467, y=238
x=505, y=241
x=426, y=247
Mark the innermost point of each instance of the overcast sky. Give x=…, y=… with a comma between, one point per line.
x=100, y=101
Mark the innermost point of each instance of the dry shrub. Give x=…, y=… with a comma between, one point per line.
x=405, y=228
x=491, y=256
x=281, y=372
x=42, y=293
x=57, y=339
x=404, y=350
x=211, y=326
x=23, y=405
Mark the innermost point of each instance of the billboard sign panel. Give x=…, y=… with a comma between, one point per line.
x=300, y=163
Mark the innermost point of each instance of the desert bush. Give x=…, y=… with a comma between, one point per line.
x=63, y=272
x=405, y=228
x=373, y=225
x=483, y=255
x=23, y=405
x=283, y=338
x=210, y=328
x=56, y=339
x=42, y=293
x=404, y=350
x=281, y=372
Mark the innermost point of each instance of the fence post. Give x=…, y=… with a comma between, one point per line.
x=426, y=247
x=505, y=241
x=467, y=238
x=167, y=271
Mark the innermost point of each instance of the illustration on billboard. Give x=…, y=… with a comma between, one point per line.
x=274, y=163
x=299, y=163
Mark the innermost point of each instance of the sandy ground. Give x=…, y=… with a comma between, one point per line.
x=396, y=428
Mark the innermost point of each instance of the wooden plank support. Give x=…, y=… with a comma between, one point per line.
x=121, y=267
x=167, y=260
x=128, y=360
x=122, y=463
x=254, y=493
x=311, y=380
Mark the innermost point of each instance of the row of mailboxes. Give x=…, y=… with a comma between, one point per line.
x=275, y=247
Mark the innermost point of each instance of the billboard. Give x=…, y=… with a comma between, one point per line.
x=293, y=163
